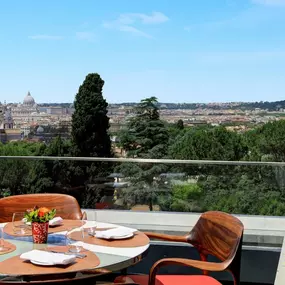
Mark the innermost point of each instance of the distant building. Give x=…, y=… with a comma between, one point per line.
x=7, y=130
x=59, y=111
x=26, y=129
x=28, y=107
x=56, y=111
x=10, y=135
x=40, y=130
x=48, y=133
x=28, y=112
x=7, y=121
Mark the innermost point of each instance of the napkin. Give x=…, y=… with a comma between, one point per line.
x=56, y=221
x=48, y=257
x=119, y=232
x=24, y=220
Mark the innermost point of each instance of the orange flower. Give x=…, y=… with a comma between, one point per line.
x=43, y=211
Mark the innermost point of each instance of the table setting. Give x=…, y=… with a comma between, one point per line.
x=21, y=227
x=38, y=242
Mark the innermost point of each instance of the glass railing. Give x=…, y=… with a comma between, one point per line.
x=183, y=186
x=239, y=187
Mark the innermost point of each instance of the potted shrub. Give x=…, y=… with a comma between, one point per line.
x=39, y=219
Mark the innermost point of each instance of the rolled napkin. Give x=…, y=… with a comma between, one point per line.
x=119, y=232
x=48, y=257
x=56, y=221
x=24, y=220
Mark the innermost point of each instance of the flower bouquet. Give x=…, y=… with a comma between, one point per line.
x=39, y=219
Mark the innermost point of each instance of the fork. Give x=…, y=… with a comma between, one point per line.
x=79, y=255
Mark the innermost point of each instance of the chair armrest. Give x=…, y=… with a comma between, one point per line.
x=96, y=271
x=167, y=237
x=203, y=265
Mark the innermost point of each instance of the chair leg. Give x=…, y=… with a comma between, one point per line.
x=124, y=272
x=204, y=258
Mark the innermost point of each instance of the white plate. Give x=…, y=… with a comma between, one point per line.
x=41, y=263
x=121, y=237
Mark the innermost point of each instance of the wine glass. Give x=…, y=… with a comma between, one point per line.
x=19, y=223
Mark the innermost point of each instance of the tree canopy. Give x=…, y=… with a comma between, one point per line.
x=90, y=122
x=145, y=136
x=210, y=143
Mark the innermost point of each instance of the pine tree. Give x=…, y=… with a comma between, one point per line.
x=145, y=137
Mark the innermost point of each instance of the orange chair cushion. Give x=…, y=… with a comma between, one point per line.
x=169, y=280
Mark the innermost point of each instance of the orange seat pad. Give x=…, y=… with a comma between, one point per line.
x=170, y=280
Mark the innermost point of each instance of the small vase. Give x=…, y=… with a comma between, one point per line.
x=40, y=232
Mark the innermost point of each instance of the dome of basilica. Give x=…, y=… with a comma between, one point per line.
x=40, y=130
x=29, y=100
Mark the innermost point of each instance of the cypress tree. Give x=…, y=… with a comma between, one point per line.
x=90, y=122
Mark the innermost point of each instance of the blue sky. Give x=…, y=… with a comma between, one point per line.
x=178, y=51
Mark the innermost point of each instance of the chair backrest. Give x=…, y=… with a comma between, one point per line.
x=66, y=206
x=218, y=234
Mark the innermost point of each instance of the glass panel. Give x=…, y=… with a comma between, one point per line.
x=249, y=188
x=149, y=185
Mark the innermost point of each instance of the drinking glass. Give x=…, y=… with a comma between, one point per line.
x=2, y=245
x=19, y=223
x=72, y=247
x=91, y=226
x=83, y=227
x=88, y=227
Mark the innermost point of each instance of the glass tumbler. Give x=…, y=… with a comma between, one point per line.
x=19, y=223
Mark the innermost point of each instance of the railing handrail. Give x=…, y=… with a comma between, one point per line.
x=142, y=160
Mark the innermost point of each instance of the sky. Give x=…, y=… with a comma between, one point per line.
x=180, y=51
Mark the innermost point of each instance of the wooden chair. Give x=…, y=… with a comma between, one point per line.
x=217, y=234
x=66, y=206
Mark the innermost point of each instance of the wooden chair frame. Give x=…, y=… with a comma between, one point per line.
x=66, y=205
x=215, y=233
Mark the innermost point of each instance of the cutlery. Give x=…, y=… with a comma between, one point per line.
x=79, y=255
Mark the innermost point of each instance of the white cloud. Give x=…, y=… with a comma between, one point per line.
x=135, y=31
x=87, y=36
x=128, y=22
x=46, y=37
x=153, y=18
x=270, y=2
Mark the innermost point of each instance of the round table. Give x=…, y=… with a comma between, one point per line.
x=111, y=258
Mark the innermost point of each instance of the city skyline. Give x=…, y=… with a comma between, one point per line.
x=208, y=51
x=7, y=102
